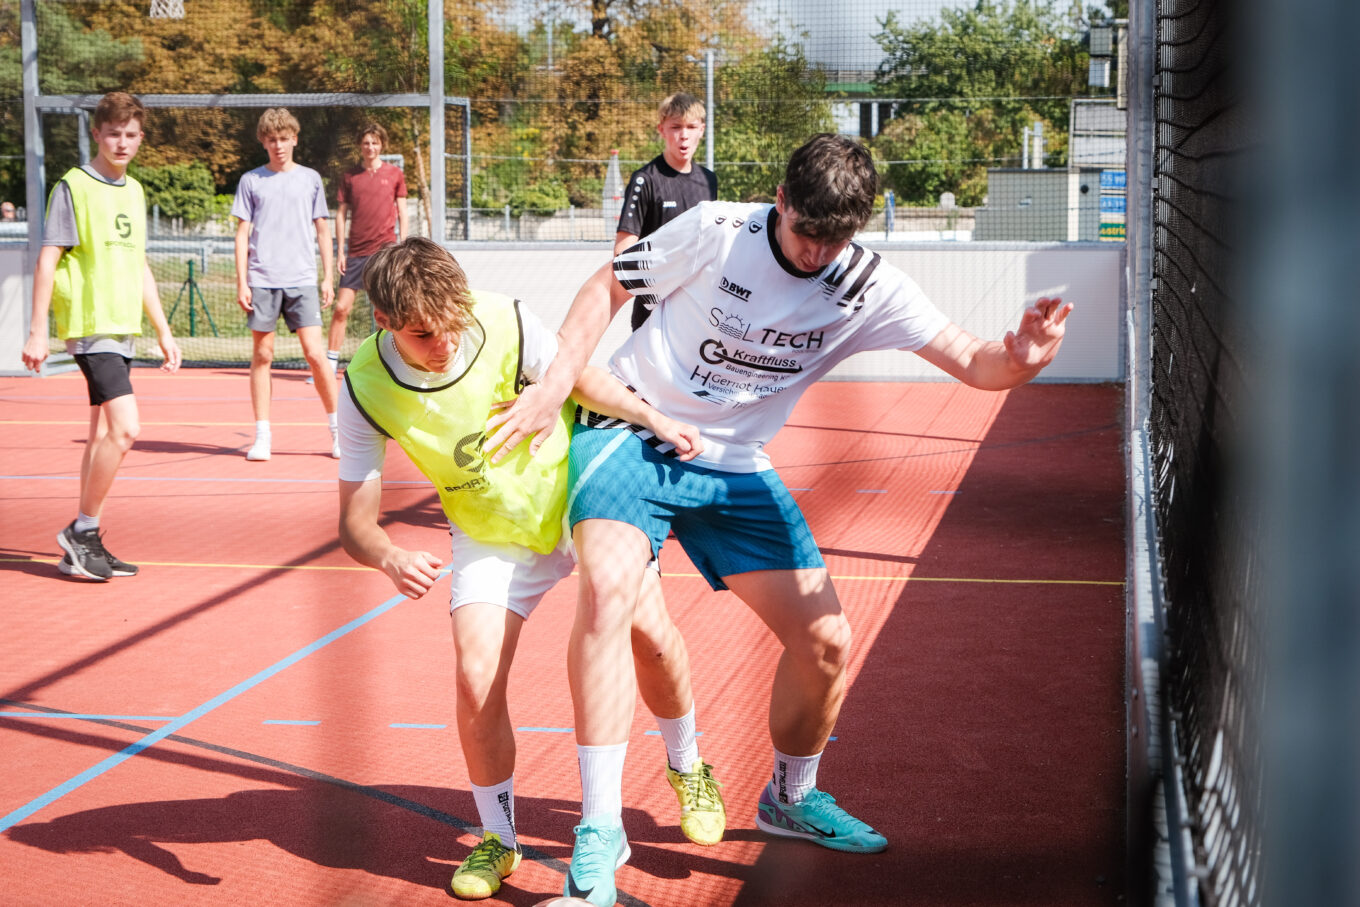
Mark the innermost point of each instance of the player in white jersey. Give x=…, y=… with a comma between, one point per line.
x=754, y=302
x=743, y=331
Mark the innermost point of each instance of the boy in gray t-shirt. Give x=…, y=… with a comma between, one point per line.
x=278, y=206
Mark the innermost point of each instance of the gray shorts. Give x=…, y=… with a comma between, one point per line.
x=353, y=278
x=300, y=307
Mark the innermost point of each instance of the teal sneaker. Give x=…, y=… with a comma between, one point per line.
x=817, y=818
x=600, y=850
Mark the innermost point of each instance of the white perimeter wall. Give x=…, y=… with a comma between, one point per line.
x=982, y=286
x=14, y=305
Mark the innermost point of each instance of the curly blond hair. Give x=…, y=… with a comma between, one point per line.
x=276, y=121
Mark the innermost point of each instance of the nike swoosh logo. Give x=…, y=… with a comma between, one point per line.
x=813, y=828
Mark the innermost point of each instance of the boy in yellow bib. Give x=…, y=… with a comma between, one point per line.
x=434, y=379
x=93, y=276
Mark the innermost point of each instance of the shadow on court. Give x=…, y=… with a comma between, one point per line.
x=984, y=733
x=407, y=833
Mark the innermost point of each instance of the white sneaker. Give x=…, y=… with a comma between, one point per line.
x=260, y=449
x=335, y=444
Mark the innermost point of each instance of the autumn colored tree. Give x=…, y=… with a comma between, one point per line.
x=554, y=87
x=72, y=59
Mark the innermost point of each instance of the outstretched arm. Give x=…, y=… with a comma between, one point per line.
x=1006, y=363
x=411, y=572
x=602, y=392
x=534, y=412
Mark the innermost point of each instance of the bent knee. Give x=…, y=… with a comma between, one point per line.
x=826, y=643
x=121, y=435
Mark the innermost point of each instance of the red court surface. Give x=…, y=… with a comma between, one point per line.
x=256, y=720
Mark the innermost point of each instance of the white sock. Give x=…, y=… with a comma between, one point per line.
x=333, y=419
x=682, y=746
x=85, y=522
x=602, y=780
x=496, y=807
x=262, y=428
x=334, y=357
x=794, y=776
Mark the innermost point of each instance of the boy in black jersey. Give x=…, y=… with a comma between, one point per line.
x=670, y=183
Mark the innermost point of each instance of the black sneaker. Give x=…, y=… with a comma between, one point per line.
x=119, y=568
x=85, y=552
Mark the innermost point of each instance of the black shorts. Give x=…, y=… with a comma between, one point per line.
x=107, y=375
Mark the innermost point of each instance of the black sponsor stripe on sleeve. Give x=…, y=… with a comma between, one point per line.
x=861, y=280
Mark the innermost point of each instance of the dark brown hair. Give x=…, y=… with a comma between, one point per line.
x=371, y=129
x=119, y=107
x=830, y=183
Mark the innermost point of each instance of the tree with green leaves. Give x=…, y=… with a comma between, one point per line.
x=772, y=100
x=973, y=81
x=179, y=190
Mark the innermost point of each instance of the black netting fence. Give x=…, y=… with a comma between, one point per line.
x=1199, y=409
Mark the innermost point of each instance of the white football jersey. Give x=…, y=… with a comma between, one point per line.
x=739, y=333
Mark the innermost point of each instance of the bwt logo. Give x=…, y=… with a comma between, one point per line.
x=734, y=289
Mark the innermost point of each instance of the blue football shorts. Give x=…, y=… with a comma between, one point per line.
x=727, y=522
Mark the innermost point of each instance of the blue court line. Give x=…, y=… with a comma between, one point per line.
x=84, y=717
x=541, y=730
x=944, y=492
x=432, y=727
x=871, y=491
x=193, y=715
x=290, y=721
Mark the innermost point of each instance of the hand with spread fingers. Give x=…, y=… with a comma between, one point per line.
x=1036, y=341
x=531, y=416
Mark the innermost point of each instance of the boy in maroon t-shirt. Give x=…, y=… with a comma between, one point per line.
x=371, y=194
